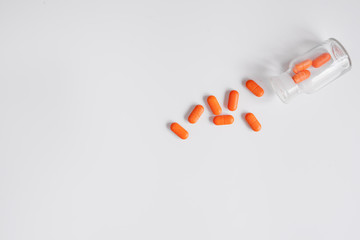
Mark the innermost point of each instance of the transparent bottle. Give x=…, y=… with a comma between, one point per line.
x=340, y=63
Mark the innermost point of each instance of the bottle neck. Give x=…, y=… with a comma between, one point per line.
x=285, y=87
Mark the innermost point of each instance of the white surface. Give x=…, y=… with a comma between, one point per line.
x=88, y=89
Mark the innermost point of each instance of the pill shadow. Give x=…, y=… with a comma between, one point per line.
x=226, y=97
x=243, y=81
x=206, y=103
x=211, y=119
x=187, y=114
x=168, y=125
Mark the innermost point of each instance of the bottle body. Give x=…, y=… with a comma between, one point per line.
x=321, y=74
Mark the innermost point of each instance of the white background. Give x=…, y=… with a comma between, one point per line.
x=87, y=92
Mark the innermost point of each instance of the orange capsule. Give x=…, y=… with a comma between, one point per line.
x=302, y=66
x=214, y=105
x=233, y=100
x=253, y=122
x=223, y=120
x=301, y=76
x=196, y=114
x=254, y=88
x=179, y=130
x=321, y=60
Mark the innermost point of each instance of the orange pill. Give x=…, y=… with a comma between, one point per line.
x=321, y=60
x=214, y=105
x=179, y=130
x=254, y=88
x=223, y=120
x=233, y=100
x=301, y=76
x=302, y=66
x=253, y=122
x=196, y=114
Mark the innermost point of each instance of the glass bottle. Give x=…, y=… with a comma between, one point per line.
x=339, y=63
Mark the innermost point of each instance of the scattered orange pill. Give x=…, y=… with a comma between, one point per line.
x=214, y=105
x=196, y=114
x=233, y=100
x=301, y=76
x=223, y=120
x=254, y=88
x=302, y=66
x=253, y=122
x=179, y=130
x=321, y=60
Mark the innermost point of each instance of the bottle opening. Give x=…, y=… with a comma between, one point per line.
x=284, y=87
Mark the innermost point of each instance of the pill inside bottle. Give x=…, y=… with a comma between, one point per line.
x=312, y=70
